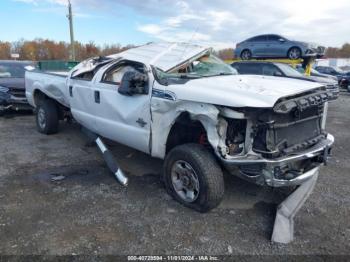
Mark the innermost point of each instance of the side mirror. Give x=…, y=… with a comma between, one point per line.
x=133, y=83
x=282, y=40
x=277, y=73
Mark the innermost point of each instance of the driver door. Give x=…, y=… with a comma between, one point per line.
x=121, y=118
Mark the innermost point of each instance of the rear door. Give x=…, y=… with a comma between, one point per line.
x=80, y=99
x=275, y=47
x=258, y=45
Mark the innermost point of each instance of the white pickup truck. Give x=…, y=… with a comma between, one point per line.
x=179, y=102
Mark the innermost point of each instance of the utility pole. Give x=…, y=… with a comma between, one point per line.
x=70, y=18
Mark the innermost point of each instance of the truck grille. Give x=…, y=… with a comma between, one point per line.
x=283, y=134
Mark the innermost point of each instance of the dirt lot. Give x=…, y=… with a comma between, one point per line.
x=89, y=213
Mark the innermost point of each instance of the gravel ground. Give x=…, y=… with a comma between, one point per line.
x=89, y=213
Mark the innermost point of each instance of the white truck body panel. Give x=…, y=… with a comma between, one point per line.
x=51, y=84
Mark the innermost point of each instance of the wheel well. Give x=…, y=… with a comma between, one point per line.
x=246, y=49
x=294, y=47
x=40, y=96
x=185, y=130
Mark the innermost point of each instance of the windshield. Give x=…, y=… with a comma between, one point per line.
x=204, y=66
x=8, y=70
x=289, y=71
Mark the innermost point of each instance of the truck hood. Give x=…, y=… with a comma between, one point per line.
x=240, y=90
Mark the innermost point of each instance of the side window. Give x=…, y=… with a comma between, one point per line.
x=116, y=74
x=320, y=69
x=89, y=75
x=332, y=71
x=325, y=70
x=257, y=38
x=260, y=38
x=274, y=38
x=130, y=77
x=249, y=69
x=270, y=70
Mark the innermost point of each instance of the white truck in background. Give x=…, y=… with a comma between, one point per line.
x=180, y=103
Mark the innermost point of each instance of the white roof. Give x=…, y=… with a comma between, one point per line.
x=163, y=55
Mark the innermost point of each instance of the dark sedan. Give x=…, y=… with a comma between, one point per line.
x=343, y=77
x=281, y=70
x=12, y=85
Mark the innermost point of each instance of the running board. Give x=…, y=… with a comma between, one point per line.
x=108, y=157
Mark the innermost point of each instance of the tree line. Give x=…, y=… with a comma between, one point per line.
x=44, y=49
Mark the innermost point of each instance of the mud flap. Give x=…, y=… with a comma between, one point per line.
x=283, y=230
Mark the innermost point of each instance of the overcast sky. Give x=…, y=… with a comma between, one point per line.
x=219, y=23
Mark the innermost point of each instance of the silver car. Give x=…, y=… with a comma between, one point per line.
x=272, y=46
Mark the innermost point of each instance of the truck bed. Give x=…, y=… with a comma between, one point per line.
x=52, y=84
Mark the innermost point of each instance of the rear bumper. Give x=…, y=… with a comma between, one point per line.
x=268, y=175
x=8, y=101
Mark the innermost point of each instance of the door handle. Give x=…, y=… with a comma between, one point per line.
x=97, y=96
x=71, y=91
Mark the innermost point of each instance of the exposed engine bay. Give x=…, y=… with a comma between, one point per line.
x=293, y=125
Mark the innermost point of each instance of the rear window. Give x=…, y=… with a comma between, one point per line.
x=258, y=38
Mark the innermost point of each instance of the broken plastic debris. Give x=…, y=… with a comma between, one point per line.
x=57, y=178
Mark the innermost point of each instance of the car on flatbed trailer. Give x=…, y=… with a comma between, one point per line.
x=180, y=103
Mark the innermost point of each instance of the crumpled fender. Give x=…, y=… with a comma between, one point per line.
x=165, y=113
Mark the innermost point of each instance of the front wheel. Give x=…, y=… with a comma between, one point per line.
x=294, y=53
x=193, y=177
x=47, y=117
x=246, y=55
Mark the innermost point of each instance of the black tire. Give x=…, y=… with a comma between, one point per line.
x=209, y=174
x=47, y=117
x=294, y=53
x=246, y=54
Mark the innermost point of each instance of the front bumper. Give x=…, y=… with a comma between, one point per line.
x=318, y=51
x=321, y=150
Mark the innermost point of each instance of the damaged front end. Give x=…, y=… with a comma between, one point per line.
x=283, y=146
x=280, y=147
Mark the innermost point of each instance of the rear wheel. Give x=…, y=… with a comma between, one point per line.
x=246, y=54
x=193, y=177
x=294, y=53
x=47, y=117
